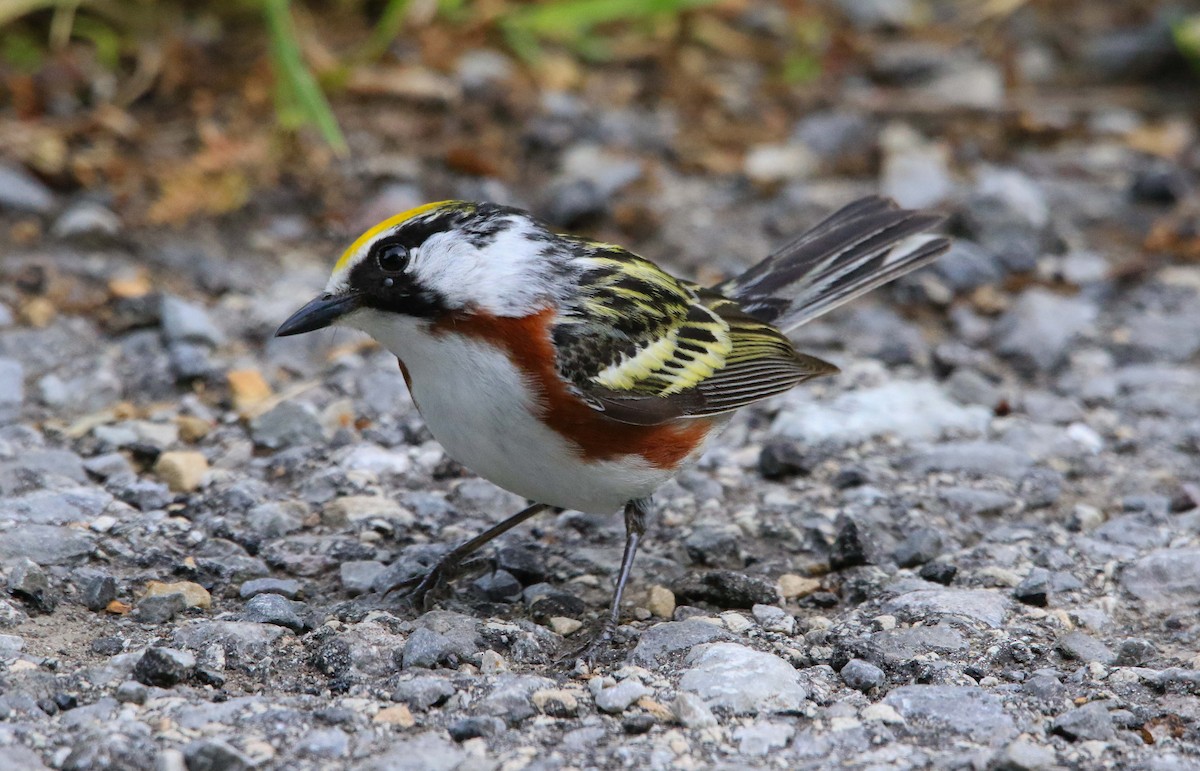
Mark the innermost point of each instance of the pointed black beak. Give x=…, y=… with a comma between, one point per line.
x=318, y=314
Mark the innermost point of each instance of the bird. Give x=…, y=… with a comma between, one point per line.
x=578, y=374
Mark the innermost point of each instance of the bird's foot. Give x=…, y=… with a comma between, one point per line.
x=422, y=590
x=602, y=648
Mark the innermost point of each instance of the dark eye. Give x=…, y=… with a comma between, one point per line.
x=392, y=258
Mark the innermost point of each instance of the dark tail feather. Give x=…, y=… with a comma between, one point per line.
x=857, y=248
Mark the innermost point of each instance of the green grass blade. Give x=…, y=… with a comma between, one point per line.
x=299, y=92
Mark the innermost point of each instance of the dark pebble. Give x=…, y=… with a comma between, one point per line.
x=1161, y=185
x=1089, y=722
x=1135, y=652
x=920, y=547
x=97, y=591
x=1035, y=588
x=107, y=646
x=159, y=609
x=729, y=589
x=475, y=727
x=849, y=547
x=525, y=564
x=783, y=460
x=862, y=675
x=938, y=572
x=277, y=610
x=498, y=586
x=163, y=667
x=635, y=725
x=28, y=583
x=215, y=755
x=425, y=648
x=822, y=600
x=851, y=476
x=549, y=605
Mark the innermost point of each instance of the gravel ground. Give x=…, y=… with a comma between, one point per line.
x=976, y=547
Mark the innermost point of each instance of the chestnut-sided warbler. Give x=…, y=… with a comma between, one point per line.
x=576, y=373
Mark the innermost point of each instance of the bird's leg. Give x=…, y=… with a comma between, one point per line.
x=422, y=587
x=635, y=526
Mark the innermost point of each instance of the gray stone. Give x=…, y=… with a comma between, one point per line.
x=216, y=755
x=145, y=495
x=510, y=697
x=1083, y=647
x=160, y=608
x=915, y=172
x=164, y=667
x=45, y=544
x=618, y=698
x=324, y=744
x=23, y=758
x=55, y=507
x=742, y=680
x=920, y=546
x=191, y=361
x=245, y=640
x=1091, y=722
x=185, y=322
x=131, y=692
x=691, y=711
x=965, y=711
x=986, y=606
x=28, y=582
x=909, y=410
x=1035, y=588
x=879, y=14
x=285, y=587
x=108, y=465
x=862, y=675
x=288, y=424
x=903, y=645
x=967, y=266
x=428, y=751
x=1024, y=755
x=1135, y=652
x=278, y=610
x=425, y=648
x=1163, y=581
x=21, y=191
x=86, y=218
x=1036, y=333
x=276, y=519
x=358, y=576
x=660, y=641
x=11, y=616
x=774, y=618
x=763, y=738
x=460, y=631
x=12, y=388
x=423, y=692
x=984, y=458
x=983, y=503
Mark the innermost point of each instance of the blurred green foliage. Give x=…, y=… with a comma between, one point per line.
x=1187, y=39
x=116, y=28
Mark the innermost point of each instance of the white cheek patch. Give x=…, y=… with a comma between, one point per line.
x=505, y=277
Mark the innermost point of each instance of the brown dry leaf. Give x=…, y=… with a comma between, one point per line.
x=416, y=84
x=1167, y=139
x=191, y=192
x=117, y=607
x=214, y=181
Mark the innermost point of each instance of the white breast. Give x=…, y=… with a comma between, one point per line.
x=478, y=407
